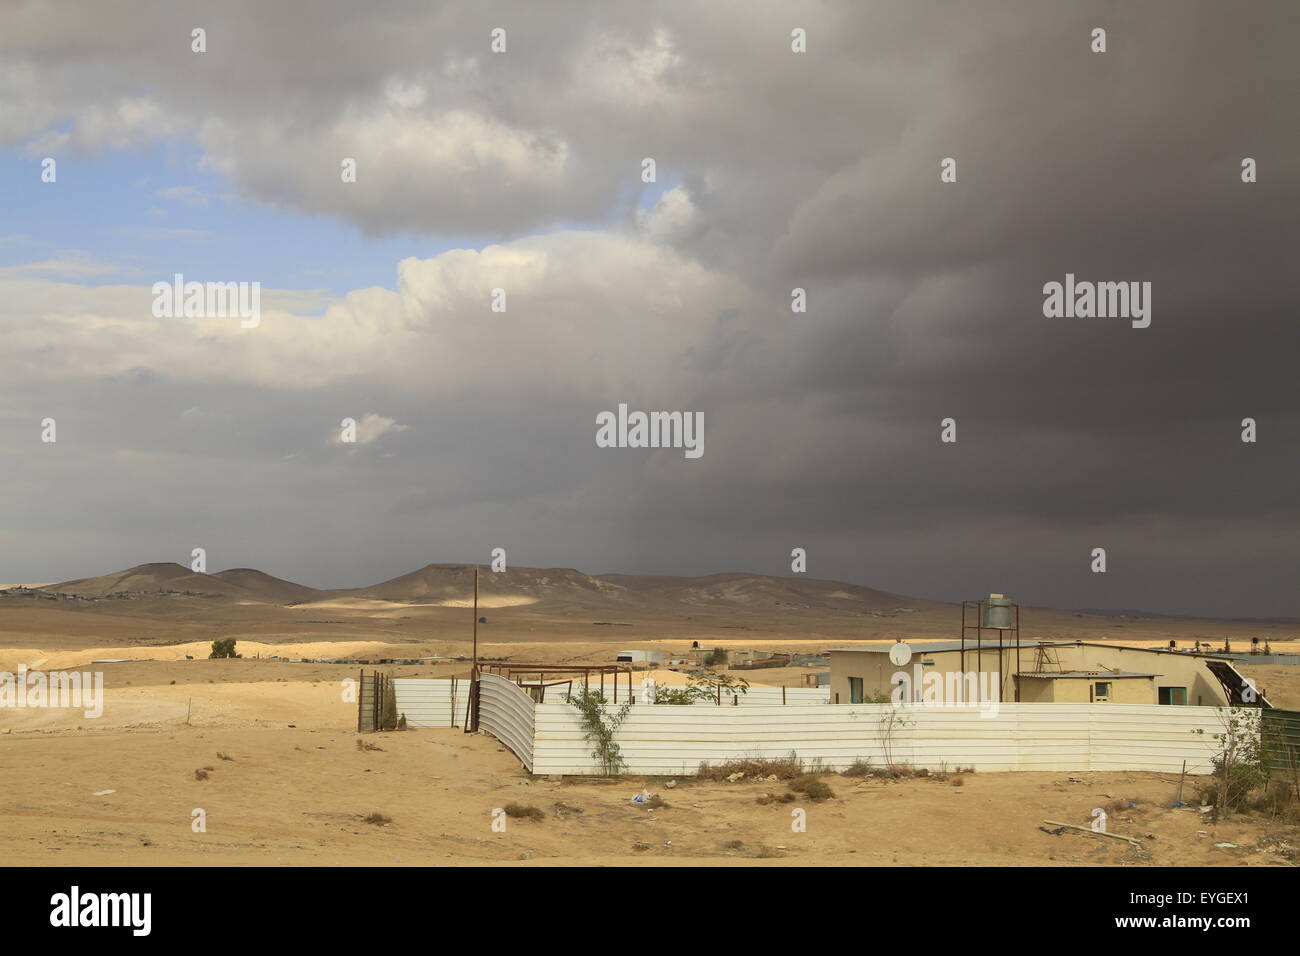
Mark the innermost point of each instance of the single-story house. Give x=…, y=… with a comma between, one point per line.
x=1037, y=671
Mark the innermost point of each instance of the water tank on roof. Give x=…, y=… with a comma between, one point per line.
x=997, y=612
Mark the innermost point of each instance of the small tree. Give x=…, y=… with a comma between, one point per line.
x=599, y=727
x=716, y=657
x=222, y=648
x=388, y=713
x=1239, y=767
x=703, y=689
x=888, y=723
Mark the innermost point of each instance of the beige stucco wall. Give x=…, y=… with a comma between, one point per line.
x=1078, y=690
x=878, y=672
x=1174, y=670
x=874, y=669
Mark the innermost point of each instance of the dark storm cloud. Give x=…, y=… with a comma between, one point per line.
x=818, y=171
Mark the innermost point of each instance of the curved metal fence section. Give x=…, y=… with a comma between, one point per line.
x=506, y=712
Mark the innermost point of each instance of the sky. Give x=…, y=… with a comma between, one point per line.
x=775, y=170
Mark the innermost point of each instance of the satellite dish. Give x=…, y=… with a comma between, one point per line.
x=900, y=654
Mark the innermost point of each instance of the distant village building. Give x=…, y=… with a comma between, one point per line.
x=640, y=657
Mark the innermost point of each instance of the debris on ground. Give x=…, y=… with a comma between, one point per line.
x=1101, y=833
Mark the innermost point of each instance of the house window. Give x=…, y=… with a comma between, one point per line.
x=1173, y=695
x=1101, y=690
x=855, y=690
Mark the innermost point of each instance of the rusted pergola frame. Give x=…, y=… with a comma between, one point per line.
x=520, y=672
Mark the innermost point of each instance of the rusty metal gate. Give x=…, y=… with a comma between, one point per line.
x=369, y=702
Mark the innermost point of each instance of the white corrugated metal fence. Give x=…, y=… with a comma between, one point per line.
x=549, y=738
x=1055, y=737
x=506, y=712
x=431, y=702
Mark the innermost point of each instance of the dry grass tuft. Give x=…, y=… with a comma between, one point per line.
x=783, y=768
x=519, y=811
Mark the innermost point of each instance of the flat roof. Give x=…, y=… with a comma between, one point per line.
x=1106, y=674
x=928, y=647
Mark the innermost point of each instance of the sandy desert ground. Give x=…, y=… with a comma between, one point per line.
x=287, y=785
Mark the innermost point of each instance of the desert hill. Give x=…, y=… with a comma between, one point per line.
x=761, y=591
x=452, y=585
x=240, y=584
x=141, y=579
x=266, y=587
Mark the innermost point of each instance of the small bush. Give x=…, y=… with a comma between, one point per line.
x=783, y=768
x=812, y=787
x=224, y=756
x=378, y=819
x=777, y=798
x=520, y=812
x=367, y=745
x=859, y=768
x=1232, y=785
x=656, y=802
x=1279, y=801
x=200, y=775
x=388, y=708
x=676, y=696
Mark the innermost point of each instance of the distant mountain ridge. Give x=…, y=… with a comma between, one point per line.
x=454, y=584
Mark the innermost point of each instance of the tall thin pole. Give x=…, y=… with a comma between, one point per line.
x=471, y=705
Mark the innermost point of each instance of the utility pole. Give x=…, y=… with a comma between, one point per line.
x=471, y=710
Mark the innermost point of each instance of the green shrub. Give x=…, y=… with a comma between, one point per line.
x=223, y=647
